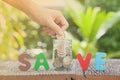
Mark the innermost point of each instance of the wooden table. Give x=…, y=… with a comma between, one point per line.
x=9, y=71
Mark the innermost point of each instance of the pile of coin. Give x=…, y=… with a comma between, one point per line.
x=62, y=53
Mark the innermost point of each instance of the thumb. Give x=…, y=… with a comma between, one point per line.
x=58, y=30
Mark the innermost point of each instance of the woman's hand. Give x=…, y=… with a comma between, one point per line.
x=53, y=20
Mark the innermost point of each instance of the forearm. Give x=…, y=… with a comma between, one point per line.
x=24, y=5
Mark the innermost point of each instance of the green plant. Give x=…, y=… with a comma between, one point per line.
x=92, y=23
x=107, y=5
x=109, y=42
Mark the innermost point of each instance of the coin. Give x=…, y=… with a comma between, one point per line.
x=58, y=62
x=61, y=49
x=63, y=54
x=66, y=61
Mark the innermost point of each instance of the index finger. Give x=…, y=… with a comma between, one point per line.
x=62, y=22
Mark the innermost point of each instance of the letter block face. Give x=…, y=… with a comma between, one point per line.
x=84, y=63
x=21, y=59
x=100, y=62
x=41, y=61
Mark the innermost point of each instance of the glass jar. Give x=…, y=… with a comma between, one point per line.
x=62, y=54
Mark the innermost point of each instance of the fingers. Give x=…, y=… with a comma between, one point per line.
x=49, y=31
x=62, y=22
x=56, y=28
x=57, y=24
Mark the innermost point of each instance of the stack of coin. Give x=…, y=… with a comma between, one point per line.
x=66, y=61
x=61, y=48
x=58, y=62
x=62, y=51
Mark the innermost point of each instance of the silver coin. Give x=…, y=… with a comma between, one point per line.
x=58, y=62
x=61, y=55
x=67, y=61
x=61, y=50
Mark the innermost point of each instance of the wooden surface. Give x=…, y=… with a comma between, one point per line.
x=9, y=71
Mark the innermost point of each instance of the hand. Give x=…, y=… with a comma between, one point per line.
x=53, y=20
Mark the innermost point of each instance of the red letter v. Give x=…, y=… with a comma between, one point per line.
x=84, y=63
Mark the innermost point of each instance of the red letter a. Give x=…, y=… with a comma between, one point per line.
x=84, y=63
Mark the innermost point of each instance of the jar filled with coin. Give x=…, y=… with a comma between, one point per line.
x=62, y=54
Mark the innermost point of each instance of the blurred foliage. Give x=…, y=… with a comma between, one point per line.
x=110, y=41
x=93, y=23
x=111, y=38
x=90, y=21
x=108, y=5
x=11, y=35
x=35, y=35
x=18, y=31
x=91, y=29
